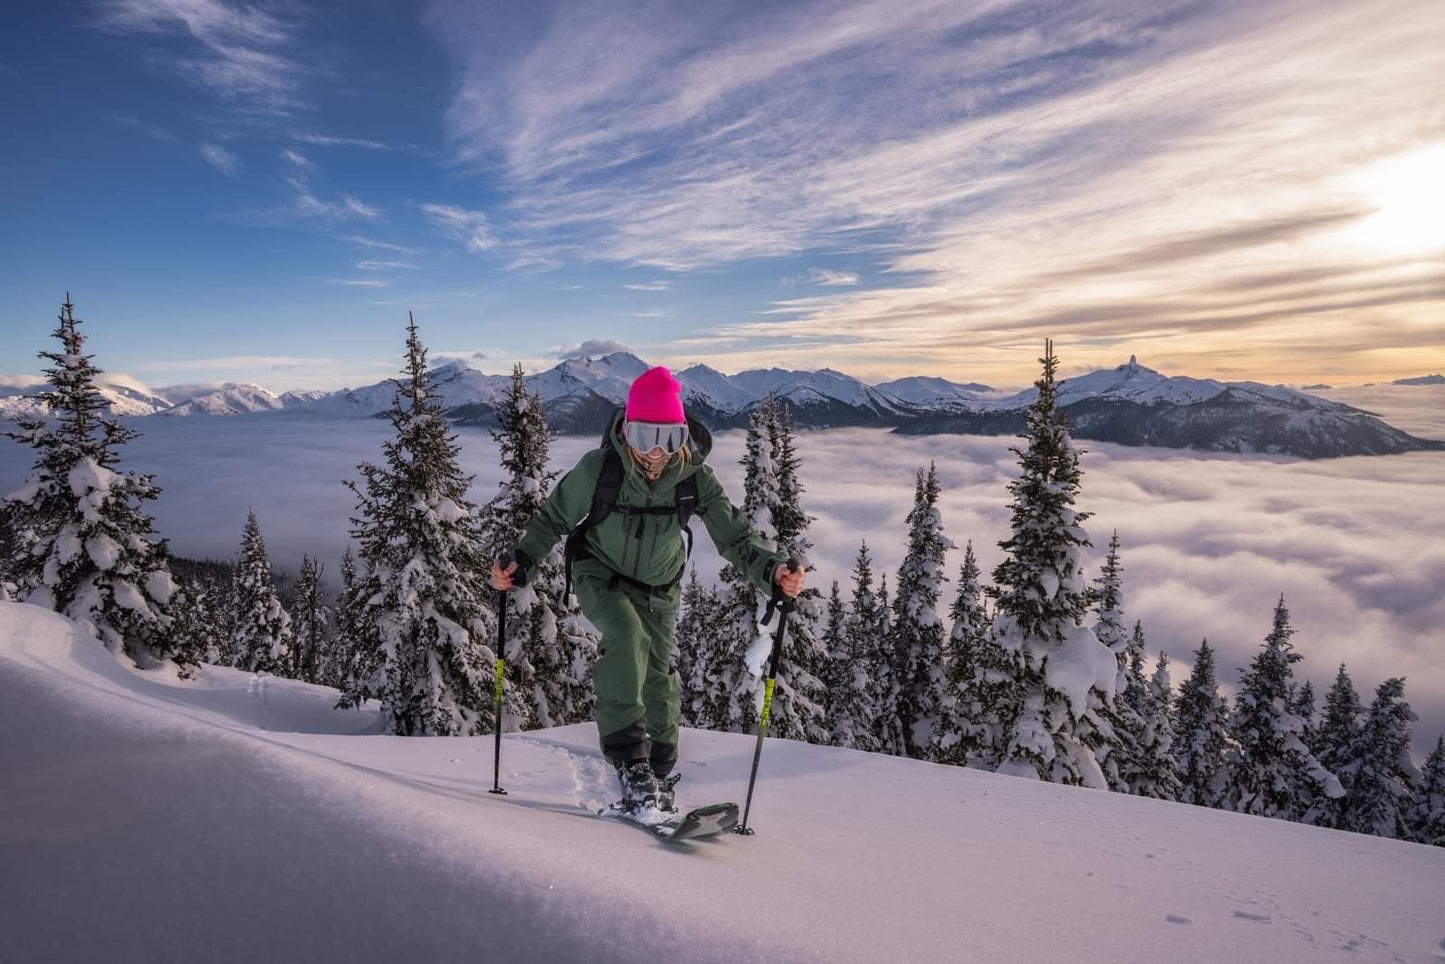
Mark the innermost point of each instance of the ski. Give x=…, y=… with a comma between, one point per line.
x=707, y=821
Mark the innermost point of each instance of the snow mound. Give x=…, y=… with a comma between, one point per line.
x=269, y=826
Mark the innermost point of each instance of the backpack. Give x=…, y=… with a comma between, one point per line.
x=604, y=503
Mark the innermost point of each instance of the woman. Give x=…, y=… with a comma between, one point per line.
x=628, y=570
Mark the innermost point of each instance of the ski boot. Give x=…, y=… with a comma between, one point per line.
x=667, y=793
x=639, y=787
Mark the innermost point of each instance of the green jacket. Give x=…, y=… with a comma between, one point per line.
x=657, y=555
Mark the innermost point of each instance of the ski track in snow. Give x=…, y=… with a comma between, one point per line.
x=270, y=794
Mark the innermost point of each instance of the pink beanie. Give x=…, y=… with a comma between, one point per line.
x=655, y=397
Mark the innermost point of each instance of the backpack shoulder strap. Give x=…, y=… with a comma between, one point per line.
x=609, y=486
x=686, y=499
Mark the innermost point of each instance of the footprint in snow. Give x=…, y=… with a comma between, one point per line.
x=1176, y=919
x=1246, y=915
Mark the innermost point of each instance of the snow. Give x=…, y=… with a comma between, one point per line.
x=271, y=827
x=87, y=477
x=1079, y=663
x=103, y=551
x=160, y=586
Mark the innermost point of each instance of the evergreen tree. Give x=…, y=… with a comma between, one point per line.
x=343, y=651
x=311, y=622
x=853, y=705
x=1158, y=776
x=79, y=540
x=918, y=645
x=734, y=695
x=1108, y=595
x=889, y=721
x=421, y=650
x=550, y=646
x=978, y=706
x=1427, y=810
x=1303, y=706
x=694, y=631
x=798, y=711
x=196, y=624
x=1273, y=773
x=1068, y=677
x=1130, y=760
x=262, y=638
x=1202, y=734
x=1335, y=741
x=838, y=671
x=1109, y=603
x=1383, y=777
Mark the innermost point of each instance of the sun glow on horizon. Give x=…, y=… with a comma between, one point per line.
x=1408, y=194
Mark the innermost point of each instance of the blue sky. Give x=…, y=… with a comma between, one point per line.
x=259, y=192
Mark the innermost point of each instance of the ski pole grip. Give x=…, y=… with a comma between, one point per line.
x=519, y=577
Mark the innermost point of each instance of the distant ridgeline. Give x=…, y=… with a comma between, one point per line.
x=1129, y=405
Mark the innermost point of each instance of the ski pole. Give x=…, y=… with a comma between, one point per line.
x=783, y=604
x=501, y=675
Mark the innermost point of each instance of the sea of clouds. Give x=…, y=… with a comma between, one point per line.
x=1209, y=542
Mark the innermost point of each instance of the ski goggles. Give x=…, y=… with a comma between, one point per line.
x=646, y=436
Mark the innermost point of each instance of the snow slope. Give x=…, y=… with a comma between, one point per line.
x=238, y=818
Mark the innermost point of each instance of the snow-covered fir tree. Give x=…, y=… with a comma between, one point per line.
x=1068, y=677
x=1158, y=775
x=888, y=722
x=853, y=704
x=1383, y=777
x=1108, y=593
x=550, y=646
x=697, y=618
x=262, y=638
x=918, y=643
x=798, y=711
x=311, y=620
x=837, y=672
x=1201, y=734
x=422, y=648
x=196, y=623
x=344, y=650
x=81, y=543
x=972, y=729
x=1129, y=763
x=733, y=694
x=10, y=549
x=1336, y=738
x=1272, y=772
x=1302, y=704
x=1109, y=604
x=1427, y=809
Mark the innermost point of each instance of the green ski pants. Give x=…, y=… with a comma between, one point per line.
x=636, y=684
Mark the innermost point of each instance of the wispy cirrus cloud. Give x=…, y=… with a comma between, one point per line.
x=385, y=266
x=360, y=282
x=155, y=131
x=241, y=53
x=649, y=286
x=382, y=245
x=1096, y=170
x=826, y=277
x=297, y=159
x=468, y=227
x=221, y=159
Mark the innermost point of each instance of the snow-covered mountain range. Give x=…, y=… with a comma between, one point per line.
x=1130, y=404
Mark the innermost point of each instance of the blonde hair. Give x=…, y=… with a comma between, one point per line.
x=681, y=458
